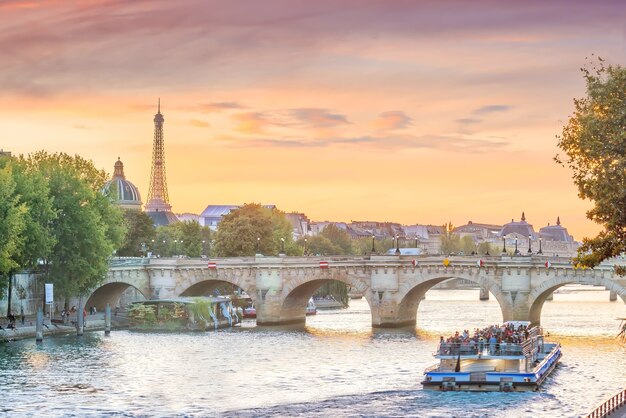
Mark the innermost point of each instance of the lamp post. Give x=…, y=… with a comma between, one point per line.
x=175, y=247
x=258, y=241
x=305, y=243
x=182, y=248
x=203, y=247
x=530, y=251
x=153, y=248
x=416, y=241
x=516, y=250
x=163, y=249
x=504, y=244
x=282, y=245
x=208, y=241
x=373, y=244
x=540, y=252
x=397, y=245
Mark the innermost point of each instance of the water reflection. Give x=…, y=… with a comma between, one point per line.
x=336, y=365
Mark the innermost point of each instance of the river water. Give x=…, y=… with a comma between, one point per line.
x=338, y=367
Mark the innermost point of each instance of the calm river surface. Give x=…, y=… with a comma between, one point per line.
x=336, y=367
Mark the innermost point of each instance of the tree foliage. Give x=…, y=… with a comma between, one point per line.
x=87, y=228
x=594, y=142
x=243, y=230
x=12, y=224
x=140, y=231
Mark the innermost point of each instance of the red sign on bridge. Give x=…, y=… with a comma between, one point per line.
x=212, y=265
x=323, y=264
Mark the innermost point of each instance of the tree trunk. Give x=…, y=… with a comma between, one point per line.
x=10, y=295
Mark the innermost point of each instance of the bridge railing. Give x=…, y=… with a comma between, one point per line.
x=609, y=406
x=128, y=261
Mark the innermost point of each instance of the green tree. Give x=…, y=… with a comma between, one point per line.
x=339, y=238
x=140, y=231
x=594, y=141
x=12, y=225
x=190, y=235
x=467, y=245
x=450, y=244
x=88, y=227
x=487, y=248
x=36, y=240
x=242, y=230
x=320, y=245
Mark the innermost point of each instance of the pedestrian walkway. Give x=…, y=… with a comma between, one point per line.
x=28, y=329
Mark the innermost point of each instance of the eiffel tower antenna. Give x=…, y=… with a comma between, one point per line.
x=158, y=200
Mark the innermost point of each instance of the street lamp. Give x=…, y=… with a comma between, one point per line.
x=397, y=245
x=529, y=238
x=175, y=246
x=540, y=252
x=153, y=248
x=416, y=241
x=282, y=245
x=182, y=248
x=258, y=242
x=305, y=242
x=503, y=244
x=203, y=247
x=373, y=244
x=516, y=250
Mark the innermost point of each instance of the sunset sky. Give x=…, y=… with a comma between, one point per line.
x=405, y=111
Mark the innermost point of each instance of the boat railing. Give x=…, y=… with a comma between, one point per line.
x=532, y=345
x=609, y=406
x=499, y=349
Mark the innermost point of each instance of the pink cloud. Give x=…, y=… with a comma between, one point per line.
x=390, y=121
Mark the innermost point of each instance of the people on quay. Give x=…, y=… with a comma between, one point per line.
x=11, y=319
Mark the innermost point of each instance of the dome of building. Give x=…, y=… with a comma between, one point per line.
x=522, y=228
x=555, y=232
x=128, y=195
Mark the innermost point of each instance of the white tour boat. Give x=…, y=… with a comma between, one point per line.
x=503, y=367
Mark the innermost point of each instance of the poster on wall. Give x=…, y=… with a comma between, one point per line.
x=49, y=287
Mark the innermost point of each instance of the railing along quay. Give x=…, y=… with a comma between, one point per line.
x=609, y=406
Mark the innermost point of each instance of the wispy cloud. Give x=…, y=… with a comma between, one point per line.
x=215, y=107
x=468, y=121
x=296, y=118
x=199, y=123
x=252, y=123
x=317, y=118
x=374, y=143
x=390, y=121
x=495, y=108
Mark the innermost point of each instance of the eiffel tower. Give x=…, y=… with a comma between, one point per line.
x=157, y=206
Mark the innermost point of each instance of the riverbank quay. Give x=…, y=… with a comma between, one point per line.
x=29, y=330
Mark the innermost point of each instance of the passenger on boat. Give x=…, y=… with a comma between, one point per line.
x=504, y=339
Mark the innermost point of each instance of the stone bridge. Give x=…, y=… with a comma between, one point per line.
x=393, y=285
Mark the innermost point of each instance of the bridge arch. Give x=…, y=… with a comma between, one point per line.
x=109, y=293
x=297, y=291
x=205, y=285
x=414, y=291
x=540, y=294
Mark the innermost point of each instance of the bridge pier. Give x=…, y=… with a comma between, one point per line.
x=272, y=310
x=484, y=293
